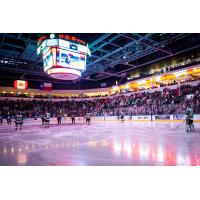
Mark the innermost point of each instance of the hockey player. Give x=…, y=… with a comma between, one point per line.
x=88, y=118
x=8, y=118
x=59, y=117
x=1, y=119
x=73, y=118
x=42, y=118
x=18, y=120
x=189, y=117
x=47, y=120
x=122, y=117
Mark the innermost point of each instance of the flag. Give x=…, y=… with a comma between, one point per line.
x=46, y=86
x=19, y=84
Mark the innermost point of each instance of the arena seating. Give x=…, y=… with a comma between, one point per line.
x=168, y=101
x=189, y=80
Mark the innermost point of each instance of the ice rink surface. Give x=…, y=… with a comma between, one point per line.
x=109, y=143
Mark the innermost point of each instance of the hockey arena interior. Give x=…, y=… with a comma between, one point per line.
x=99, y=99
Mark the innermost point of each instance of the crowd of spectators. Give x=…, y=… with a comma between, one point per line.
x=51, y=96
x=181, y=64
x=167, y=101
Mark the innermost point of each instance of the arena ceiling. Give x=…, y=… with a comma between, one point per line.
x=114, y=55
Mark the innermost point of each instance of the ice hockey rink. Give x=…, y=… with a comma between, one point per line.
x=102, y=143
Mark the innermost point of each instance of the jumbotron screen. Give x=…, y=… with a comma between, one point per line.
x=64, y=58
x=48, y=60
x=62, y=54
x=70, y=59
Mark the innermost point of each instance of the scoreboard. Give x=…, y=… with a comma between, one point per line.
x=65, y=56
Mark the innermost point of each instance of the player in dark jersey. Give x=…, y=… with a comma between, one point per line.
x=43, y=119
x=1, y=119
x=88, y=118
x=8, y=118
x=73, y=118
x=122, y=117
x=67, y=59
x=59, y=117
x=18, y=121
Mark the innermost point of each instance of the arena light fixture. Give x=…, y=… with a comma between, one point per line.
x=141, y=82
x=158, y=78
x=52, y=36
x=180, y=73
x=115, y=88
x=127, y=86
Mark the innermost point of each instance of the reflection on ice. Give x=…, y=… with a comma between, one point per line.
x=153, y=153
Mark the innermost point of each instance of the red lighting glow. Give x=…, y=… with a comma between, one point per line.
x=41, y=38
x=72, y=38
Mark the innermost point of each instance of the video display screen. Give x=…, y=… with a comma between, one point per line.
x=70, y=59
x=48, y=61
x=66, y=55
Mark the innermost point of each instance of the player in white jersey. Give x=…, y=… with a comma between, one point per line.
x=88, y=118
x=189, y=118
x=18, y=121
x=47, y=120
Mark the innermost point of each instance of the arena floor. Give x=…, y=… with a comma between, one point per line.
x=100, y=144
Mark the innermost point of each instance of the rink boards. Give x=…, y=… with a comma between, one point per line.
x=142, y=118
